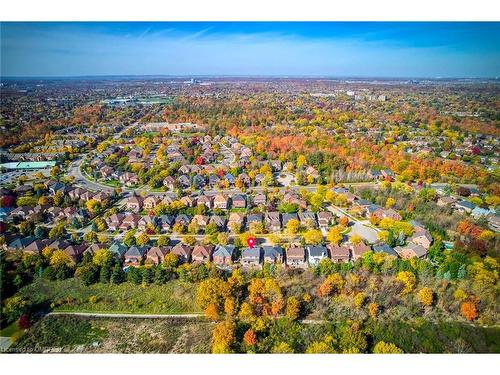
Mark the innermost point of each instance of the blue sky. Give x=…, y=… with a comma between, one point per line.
x=360, y=49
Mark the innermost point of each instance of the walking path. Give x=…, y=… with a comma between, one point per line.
x=127, y=315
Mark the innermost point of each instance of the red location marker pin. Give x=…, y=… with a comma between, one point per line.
x=251, y=242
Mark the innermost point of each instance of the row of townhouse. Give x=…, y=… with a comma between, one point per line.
x=271, y=221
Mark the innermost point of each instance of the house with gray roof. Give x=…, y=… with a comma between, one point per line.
x=135, y=255
x=251, y=257
x=273, y=254
x=464, y=206
x=384, y=248
x=315, y=254
x=308, y=219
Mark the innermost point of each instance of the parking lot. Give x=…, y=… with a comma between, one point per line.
x=12, y=175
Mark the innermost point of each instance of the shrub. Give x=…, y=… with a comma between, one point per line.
x=426, y=296
x=382, y=347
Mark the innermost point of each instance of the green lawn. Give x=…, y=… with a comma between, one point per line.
x=10, y=330
x=175, y=297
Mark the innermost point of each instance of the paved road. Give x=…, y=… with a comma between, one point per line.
x=154, y=316
x=360, y=228
x=5, y=343
x=80, y=180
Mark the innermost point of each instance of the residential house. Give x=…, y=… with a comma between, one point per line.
x=220, y=221
x=93, y=248
x=184, y=181
x=106, y=171
x=102, y=197
x=151, y=202
x=188, y=201
x=198, y=181
x=244, y=178
x=311, y=171
x=213, y=180
x=148, y=222
x=221, y=202
x=75, y=251
x=130, y=221
x=166, y=200
x=315, y=254
x=325, y=219
x=169, y=183
x=129, y=179
x=411, y=250
x=183, y=219
x=230, y=178
x=384, y=248
x=387, y=174
x=421, y=237
x=494, y=222
x=445, y=201
x=118, y=249
x=382, y=213
x=464, y=206
x=36, y=246
x=183, y=252
x=76, y=193
x=359, y=250
x=339, y=253
x=57, y=187
x=275, y=165
x=205, y=200
x=308, y=219
x=202, y=253
x=135, y=203
x=237, y=218
x=156, y=254
x=223, y=255
x=114, y=221
x=86, y=196
x=272, y=221
x=294, y=199
x=296, y=256
x=238, y=201
x=166, y=222
x=251, y=256
x=135, y=255
x=259, y=199
x=59, y=245
x=479, y=212
x=20, y=243
x=254, y=218
x=285, y=218
x=201, y=220
x=273, y=254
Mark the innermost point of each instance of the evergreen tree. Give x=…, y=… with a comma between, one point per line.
x=147, y=275
x=118, y=275
x=88, y=273
x=134, y=275
x=462, y=272
x=39, y=232
x=105, y=273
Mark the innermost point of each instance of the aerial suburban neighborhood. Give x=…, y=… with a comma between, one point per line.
x=249, y=215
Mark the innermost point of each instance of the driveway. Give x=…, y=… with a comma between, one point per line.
x=366, y=233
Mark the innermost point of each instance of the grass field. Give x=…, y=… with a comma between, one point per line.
x=72, y=334
x=174, y=297
x=10, y=330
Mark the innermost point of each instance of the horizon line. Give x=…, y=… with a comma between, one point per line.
x=309, y=76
